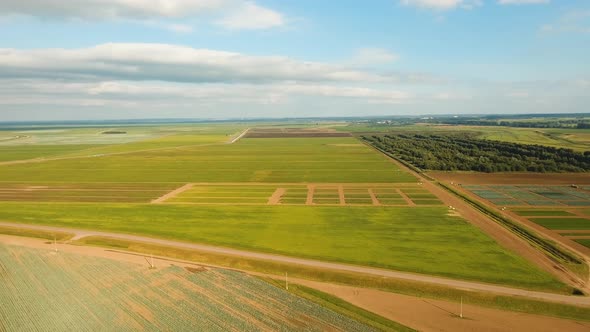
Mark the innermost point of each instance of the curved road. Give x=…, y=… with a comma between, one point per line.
x=458, y=284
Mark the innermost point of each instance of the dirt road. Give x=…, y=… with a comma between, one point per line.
x=459, y=284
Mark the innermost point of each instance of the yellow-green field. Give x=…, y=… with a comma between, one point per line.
x=315, y=197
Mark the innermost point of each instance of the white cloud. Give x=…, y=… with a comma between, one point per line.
x=235, y=14
x=127, y=61
x=120, y=92
x=250, y=16
x=109, y=9
x=523, y=2
x=373, y=56
x=180, y=28
x=442, y=4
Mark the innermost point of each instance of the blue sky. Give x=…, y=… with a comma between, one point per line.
x=98, y=59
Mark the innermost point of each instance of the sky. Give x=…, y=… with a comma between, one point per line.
x=219, y=59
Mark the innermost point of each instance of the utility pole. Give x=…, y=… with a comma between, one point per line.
x=461, y=314
x=54, y=243
x=286, y=281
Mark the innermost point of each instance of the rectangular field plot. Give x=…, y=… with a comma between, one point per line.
x=326, y=195
x=84, y=192
x=357, y=196
x=226, y=194
x=543, y=213
x=563, y=223
x=301, y=194
x=532, y=195
x=294, y=195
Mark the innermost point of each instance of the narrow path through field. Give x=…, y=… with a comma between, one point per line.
x=173, y=193
x=405, y=197
x=373, y=197
x=276, y=196
x=460, y=284
x=310, y=192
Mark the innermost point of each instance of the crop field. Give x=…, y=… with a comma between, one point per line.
x=84, y=192
x=309, y=194
x=427, y=240
x=557, y=208
x=315, y=197
x=68, y=142
x=334, y=160
x=531, y=195
x=42, y=289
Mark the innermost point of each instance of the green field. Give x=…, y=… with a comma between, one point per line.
x=109, y=192
x=52, y=143
x=42, y=289
x=563, y=223
x=584, y=242
x=543, y=213
x=248, y=160
x=424, y=240
x=9, y=153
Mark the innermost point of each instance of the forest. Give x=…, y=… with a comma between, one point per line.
x=465, y=153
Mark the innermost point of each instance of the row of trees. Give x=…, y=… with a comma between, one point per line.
x=569, y=123
x=450, y=153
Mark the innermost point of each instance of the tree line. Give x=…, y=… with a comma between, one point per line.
x=463, y=153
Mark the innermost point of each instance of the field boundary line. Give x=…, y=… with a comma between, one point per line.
x=444, y=281
x=171, y=194
x=373, y=197
x=310, y=192
x=405, y=197
x=341, y=195
x=235, y=139
x=276, y=196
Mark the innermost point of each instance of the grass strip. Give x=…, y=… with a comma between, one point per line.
x=15, y=231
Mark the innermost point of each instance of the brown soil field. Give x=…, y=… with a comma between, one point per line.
x=512, y=178
x=436, y=315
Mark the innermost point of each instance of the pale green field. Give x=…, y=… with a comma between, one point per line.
x=29, y=144
x=418, y=239
x=43, y=290
x=248, y=160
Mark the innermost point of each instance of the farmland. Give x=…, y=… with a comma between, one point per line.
x=310, y=194
x=556, y=208
x=340, y=159
x=299, y=191
x=41, y=289
x=419, y=239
